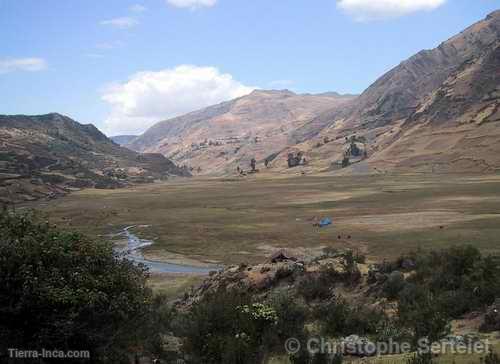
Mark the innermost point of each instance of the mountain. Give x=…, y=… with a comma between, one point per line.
x=123, y=139
x=47, y=155
x=437, y=111
x=219, y=138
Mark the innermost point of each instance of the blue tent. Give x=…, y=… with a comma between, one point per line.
x=325, y=222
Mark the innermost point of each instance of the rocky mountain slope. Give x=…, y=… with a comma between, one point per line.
x=437, y=111
x=217, y=139
x=50, y=154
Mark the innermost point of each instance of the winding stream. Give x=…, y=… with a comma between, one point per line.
x=133, y=252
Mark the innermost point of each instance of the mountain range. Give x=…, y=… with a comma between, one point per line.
x=436, y=111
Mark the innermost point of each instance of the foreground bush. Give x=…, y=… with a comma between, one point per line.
x=441, y=286
x=226, y=328
x=340, y=318
x=64, y=291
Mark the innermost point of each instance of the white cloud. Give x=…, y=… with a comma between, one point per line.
x=138, y=8
x=121, y=23
x=22, y=64
x=192, y=4
x=364, y=10
x=148, y=97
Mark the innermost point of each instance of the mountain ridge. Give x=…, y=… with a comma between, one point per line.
x=220, y=138
x=436, y=93
x=51, y=154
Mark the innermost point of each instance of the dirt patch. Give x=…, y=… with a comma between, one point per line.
x=469, y=199
x=310, y=198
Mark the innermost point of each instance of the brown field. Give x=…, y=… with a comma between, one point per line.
x=230, y=221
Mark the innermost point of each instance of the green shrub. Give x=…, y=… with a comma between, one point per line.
x=420, y=359
x=491, y=358
x=65, y=291
x=394, y=284
x=420, y=311
x=226, y=327
x=315, y=286
x=460, y=278
x=291, y=317
x=340, y=318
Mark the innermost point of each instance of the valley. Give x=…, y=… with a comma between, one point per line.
x=233, y=220
x=216, y=221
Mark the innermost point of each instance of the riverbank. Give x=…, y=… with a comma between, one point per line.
x=131, y=246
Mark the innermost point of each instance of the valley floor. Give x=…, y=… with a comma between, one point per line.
x=229, y=221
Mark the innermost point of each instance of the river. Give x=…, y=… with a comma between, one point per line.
x=134, y=253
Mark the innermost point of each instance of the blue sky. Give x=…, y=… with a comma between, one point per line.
x=123, y=65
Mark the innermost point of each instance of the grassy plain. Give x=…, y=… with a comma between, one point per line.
x=243, y=220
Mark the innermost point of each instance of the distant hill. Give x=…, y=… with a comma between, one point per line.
x=47, y=155
x=217, y=139
x=123, y=139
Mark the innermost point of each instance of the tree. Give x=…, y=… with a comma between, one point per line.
x=294, y=160
x=253, y=164
x=64, y=291
x=345, y=162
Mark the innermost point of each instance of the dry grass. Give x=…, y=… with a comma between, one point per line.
x=231, y=220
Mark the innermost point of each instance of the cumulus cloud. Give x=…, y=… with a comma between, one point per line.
x=364, y=10
x=192, y=4
x=148, y=97
x=121, y=23
x=22, y=64
x=138, y=8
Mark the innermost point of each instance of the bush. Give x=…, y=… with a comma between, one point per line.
x=492, y=358
x=342, y=319
x=394, y=284
x=419, y=310
x=291, y=317
x=315, y=286
x=460, y=278
x=65, y=291
x=420, y=359
x=226, y=327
